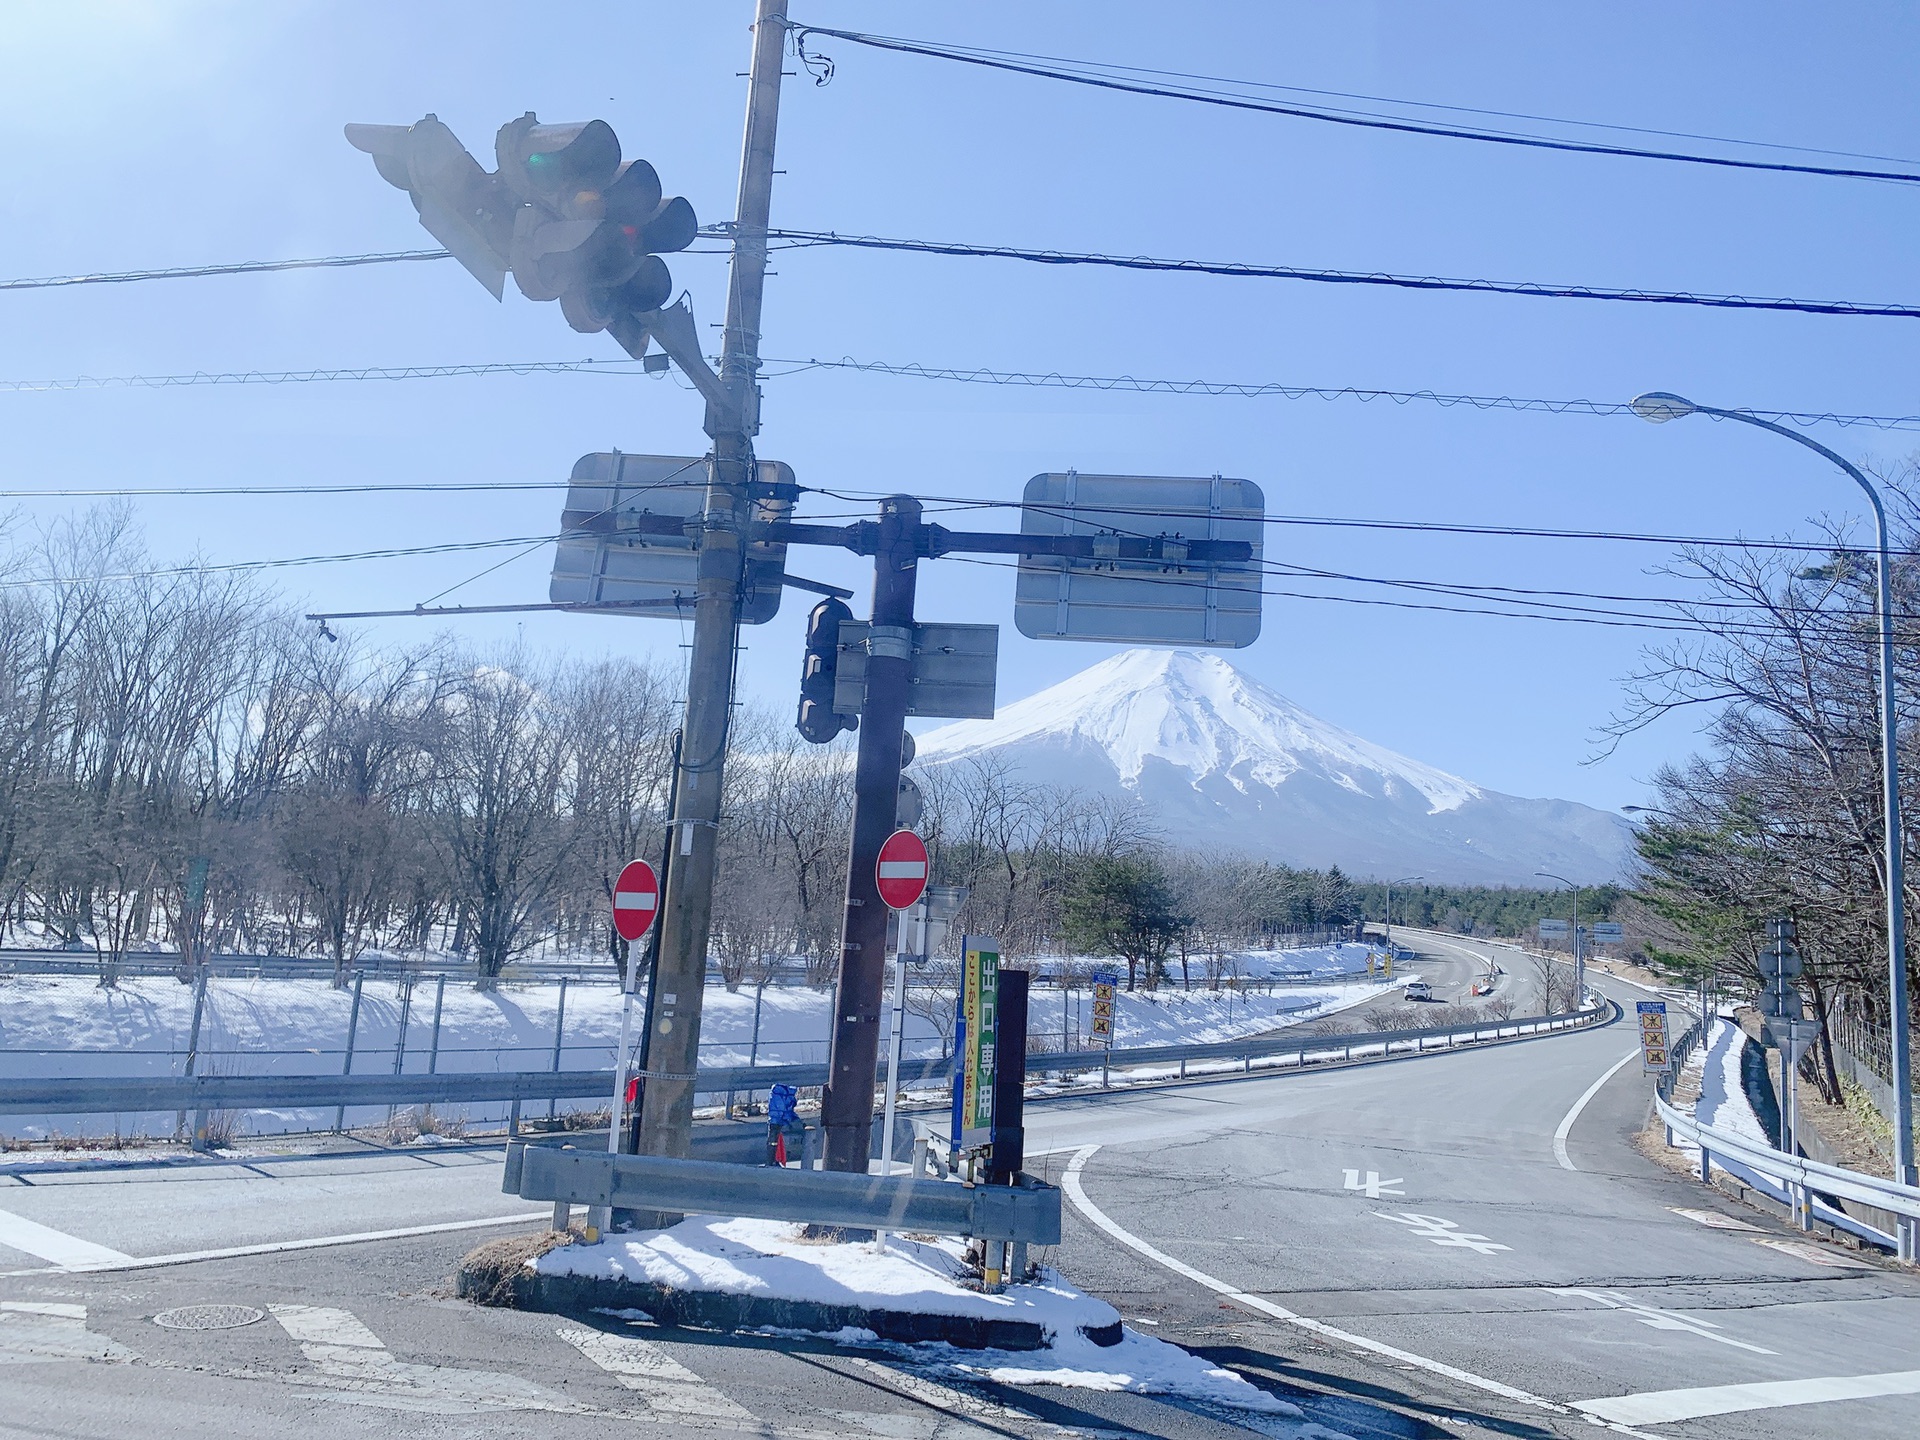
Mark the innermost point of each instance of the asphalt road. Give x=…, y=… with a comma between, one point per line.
x=1395, y=1246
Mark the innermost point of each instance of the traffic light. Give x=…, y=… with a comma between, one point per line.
x=462, y=206
x=817, y=721
x=564, y=213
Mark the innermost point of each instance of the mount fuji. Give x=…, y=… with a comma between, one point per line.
x=1223, y=762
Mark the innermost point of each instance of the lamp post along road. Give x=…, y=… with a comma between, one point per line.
x=1403, y=880
x=1573, y=935
x=1658, y=407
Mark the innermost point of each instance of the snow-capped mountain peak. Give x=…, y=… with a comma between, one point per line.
x=1200, y=715
x=1219, y=760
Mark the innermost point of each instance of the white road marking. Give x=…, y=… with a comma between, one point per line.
x=19, y=1233
x=1658, y=1319
x=1070, y=1182
x=1713, y=1219
x=351, y=1360
x=1566, y=1125
x=1663, y=1407
x=1444, y=1232
x=1813, y=1254
x=276, y=1247
x=34, y=1332
x=320, y=1325
x=1374, y=1186
x=674, y=1393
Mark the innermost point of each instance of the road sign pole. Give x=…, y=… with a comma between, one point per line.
x=846, y=1109
x=674, y=1029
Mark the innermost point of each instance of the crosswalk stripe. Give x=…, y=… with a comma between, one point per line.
x=38, y=1331
x=31, y=1237
x=670, y=1389
x=350, y=1359
x=1663, y=1407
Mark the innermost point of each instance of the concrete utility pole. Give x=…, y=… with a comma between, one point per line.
x=846, y=1109
x=674, y=1030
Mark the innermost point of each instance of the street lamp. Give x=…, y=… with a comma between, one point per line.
x=1573, y=937
x=1403, y=880
x=1659, y=407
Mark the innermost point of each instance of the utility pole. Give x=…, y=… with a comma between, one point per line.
x=674, y=1030
x=846, y=1109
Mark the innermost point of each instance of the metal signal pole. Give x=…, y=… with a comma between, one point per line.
x=846, y=1109
x=674, y=1031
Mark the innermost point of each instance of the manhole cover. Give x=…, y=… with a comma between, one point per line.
x=208, y=1317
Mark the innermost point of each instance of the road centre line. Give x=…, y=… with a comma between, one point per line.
x=1566, y=1125
x=64, y=1250
x=1664, y=1407
x=272, y=1247
x=1070, y=1182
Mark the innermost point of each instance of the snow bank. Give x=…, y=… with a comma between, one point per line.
x=769, y=1260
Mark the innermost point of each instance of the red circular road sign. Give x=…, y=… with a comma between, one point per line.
x=636, y=900
x=901, y=872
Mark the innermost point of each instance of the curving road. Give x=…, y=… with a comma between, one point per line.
x=1460, y=1243
x=1420, y=1237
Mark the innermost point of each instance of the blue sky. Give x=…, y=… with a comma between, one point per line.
x=168, y=134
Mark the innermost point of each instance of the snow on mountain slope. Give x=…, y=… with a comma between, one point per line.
x=1224, y=761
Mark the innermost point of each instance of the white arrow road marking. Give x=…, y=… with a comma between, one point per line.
x=1374, y=1186
x=1076, y=1192
x=19, y=1233
x=1444, y=1232
x=1663, y=1407
x=1660, y=1319
x=350, y=1358
x=32, y=1331
x=673, y=1392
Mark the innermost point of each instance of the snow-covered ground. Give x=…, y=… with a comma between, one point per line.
x=1724, y=1105
x=766, y=1258
x=60, y=1025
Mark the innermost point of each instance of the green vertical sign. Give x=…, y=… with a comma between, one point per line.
x=980, y=996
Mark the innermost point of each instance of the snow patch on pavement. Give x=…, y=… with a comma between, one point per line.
x=770, y=1260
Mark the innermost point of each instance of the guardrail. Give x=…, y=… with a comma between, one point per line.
x=1800, y=1177
x=118, y=1095
x=1024, y=1214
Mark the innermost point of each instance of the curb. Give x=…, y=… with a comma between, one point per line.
x=481, y=1280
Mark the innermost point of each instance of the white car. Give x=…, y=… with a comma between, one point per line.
x=1419, y=990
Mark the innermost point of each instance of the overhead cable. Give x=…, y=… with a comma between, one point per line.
x=989, y=61
x=1256, y=390
x=800, y=239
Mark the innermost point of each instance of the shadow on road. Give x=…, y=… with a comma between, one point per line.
x=1355, y=1406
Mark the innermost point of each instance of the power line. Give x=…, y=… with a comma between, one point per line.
x=320, y=376
x=231, y=566
x=238, y=267
x=247, y=267
x=977, y=375
x=1105, y=65
x=801, y=239
x=1255, y=390
x=989, y=61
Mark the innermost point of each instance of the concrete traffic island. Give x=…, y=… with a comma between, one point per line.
x=743, y=1274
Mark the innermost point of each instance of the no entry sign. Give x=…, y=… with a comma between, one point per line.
x=901, y=873
x=636, y=900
